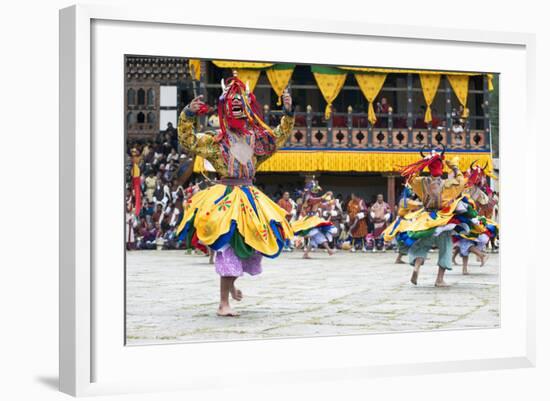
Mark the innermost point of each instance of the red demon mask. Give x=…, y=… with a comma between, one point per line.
x=476, y=174
x=432, y=161
x=238, y=109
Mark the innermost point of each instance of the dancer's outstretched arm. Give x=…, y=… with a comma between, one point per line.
x=284, y=129
x=454, y=187
x=201, y=144
x=417, y=186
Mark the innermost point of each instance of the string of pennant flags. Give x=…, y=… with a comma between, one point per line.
x=330, y=80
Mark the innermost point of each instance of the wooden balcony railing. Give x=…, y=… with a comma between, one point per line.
x=392, y=131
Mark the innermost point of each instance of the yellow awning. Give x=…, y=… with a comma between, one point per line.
x=411, y=71
x=240, y=64
x=352, y=161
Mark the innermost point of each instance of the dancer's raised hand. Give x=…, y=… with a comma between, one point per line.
x=287, y=100
x=197, y=104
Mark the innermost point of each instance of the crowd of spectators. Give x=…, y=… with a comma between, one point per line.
x=165, y=184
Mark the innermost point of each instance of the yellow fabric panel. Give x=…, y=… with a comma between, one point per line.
x=136, y=172
x=240, y=64
x=366, y=161
x=430, y=83
x=451, y=188
x=330, y=86
x=307, y=222
x=420, y=220
x=412, y=206
x=406, y=71
x=195, y=68
x=479, y=229
x=370, y=85
x=459, y=83
x=249, y=76
x=214, y=219
x=279, y=81
x=490, y=82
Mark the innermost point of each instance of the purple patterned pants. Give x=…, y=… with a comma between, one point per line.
x=230, y=265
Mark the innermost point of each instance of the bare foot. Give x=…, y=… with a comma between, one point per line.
x=236, y=294
x=330, y=252
x=484, y=259
x=414, y=277
x=226, y=311
x=306, y=256
x=465, y=272
x=399, y=261
x=441, y=284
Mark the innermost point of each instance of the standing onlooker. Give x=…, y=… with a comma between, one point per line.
x=380, y=214
x=357, y=211
x=286, y=204
x=131, y=225
x=150, y=185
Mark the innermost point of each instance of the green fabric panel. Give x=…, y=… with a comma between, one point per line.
x=471, y=213
x=190, y=233
x=241, y=249
x=282, y=67
x=421, y=234
x=227, y=191
x=321, y=69
x=303, y=233
x=189, y=237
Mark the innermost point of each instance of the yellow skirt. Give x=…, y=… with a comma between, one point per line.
x=422, y=223
x=420, y=220
x=239, y=216
x=305, y=224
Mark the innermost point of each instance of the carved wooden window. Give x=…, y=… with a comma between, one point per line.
x=131, y=97
x=150, y=97
x=141, y=96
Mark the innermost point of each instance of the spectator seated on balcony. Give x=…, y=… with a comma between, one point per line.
x=382, y=110
x=419, y=123
x=300, y=121
x=400, y=122
x=419, y=120
x=339, y=121
x=360, y=121
x=436, y=121
x=317, y=120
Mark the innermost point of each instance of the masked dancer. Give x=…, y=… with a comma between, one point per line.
x=317, y=231
x=444, y=211
x=233, y=218
x=480, y=229
x=408, y=202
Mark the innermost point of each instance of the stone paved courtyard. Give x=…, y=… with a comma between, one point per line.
x=172, y=297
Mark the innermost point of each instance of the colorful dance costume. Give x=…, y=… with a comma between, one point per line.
x=480, y=229
x=479, y=189
x=310, y=225
x=445, y=210
x=233, y=217
x=405, y=205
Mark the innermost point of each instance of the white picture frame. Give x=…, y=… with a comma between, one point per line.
x=93, y=358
